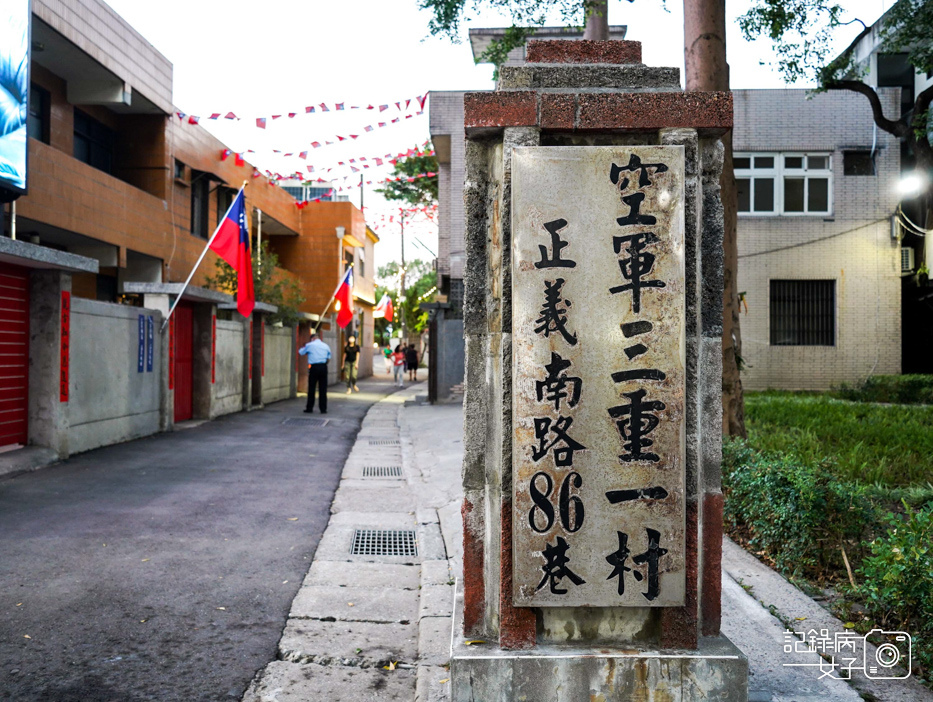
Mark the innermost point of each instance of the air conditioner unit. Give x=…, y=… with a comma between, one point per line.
x=907, y=260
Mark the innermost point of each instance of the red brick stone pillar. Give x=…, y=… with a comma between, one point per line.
x=579, y=93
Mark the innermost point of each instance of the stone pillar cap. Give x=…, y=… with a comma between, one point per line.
x=582, y=51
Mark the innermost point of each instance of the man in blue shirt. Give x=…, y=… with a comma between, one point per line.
x=318, y=354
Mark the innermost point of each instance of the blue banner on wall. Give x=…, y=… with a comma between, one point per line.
x=142, y=344
x=150, y=345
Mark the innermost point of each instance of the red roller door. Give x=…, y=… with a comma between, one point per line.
x=14, y=354
x=184, y=361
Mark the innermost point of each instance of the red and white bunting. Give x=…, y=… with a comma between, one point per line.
x=261, y=122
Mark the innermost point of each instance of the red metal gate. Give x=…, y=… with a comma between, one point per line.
x=184, y=361
x=14, y=355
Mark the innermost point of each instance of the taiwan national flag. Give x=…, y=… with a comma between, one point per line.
x=344, y=298
x=384, y=309
x=231, y=243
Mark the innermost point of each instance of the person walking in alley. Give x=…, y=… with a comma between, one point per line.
x=411, y=362
x=351, y=363
x=388, y=357
x=318, y=354
x=398, y=365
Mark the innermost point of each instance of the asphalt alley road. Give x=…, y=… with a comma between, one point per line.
x=164, y=568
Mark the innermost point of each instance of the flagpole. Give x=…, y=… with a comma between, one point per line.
x=201, y=258
x=321, y=318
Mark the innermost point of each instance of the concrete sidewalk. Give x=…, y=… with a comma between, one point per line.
x=375, y=624
x=378, y=627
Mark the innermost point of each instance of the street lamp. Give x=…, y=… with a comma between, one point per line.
x=911, y=184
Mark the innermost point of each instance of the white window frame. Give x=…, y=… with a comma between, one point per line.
x=779, y=173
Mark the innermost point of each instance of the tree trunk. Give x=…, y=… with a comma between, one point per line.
x=706, y=69
x=597, y=20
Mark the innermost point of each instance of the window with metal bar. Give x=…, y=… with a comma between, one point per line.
x=803, y=312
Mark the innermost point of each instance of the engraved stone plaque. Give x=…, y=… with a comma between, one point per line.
x=598, y=376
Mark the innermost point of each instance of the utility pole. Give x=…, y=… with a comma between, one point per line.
x=402, y=298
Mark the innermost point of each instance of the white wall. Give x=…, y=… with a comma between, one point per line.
x=279, y=363
x=227, y=390
x=109, y=399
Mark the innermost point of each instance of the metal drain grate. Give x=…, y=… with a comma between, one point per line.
x=384, y=442
x=382, y=471
x=305, y=422
x=383, y=542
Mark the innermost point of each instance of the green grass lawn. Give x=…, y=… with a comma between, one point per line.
x=820, y=477
x=878, y=444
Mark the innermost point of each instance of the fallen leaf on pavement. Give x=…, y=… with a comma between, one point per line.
x=445, y=680
x=391, y=666
x=20, y=604
x=799, y=619
x=224, y=609
x=293, y=519
x=349, y=604
x=145, y=559
x=474, y=642
x=143, y=621
x=849, y=625
x=26, y=636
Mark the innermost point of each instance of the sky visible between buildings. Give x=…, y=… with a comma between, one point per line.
x=273, y=57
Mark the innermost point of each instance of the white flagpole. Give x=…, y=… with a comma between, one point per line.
x=321, y=318
x=201, y=258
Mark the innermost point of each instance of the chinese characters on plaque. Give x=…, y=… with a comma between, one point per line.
x=598, y=376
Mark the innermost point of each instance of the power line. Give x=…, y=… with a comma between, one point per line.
x=814, y=241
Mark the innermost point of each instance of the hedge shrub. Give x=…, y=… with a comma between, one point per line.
x=897, y=580
x=800, y=515
x=899, y=389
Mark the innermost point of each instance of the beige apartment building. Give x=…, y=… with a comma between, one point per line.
x=820, y=264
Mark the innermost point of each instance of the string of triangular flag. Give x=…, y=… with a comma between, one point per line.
x=262, y=122
x=363, y=161
x=348, y=187
x=226, y=153
x=411, y=216
x=355, y=164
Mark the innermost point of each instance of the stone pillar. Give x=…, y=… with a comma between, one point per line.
x=247, y=323
x=293, y=371
x=48, y=413
x=259, y=332
x=202, y=394
x=162, y=303
x=563, y=637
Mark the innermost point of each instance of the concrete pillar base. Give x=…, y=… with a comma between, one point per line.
x=717, y=670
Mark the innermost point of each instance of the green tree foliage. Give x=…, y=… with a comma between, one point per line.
x=421, y=279
x=525, y=15
x=412, y=189
x=801, y=31
x=284, y=293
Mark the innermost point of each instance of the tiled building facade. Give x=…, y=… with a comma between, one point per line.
x=818, y=266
